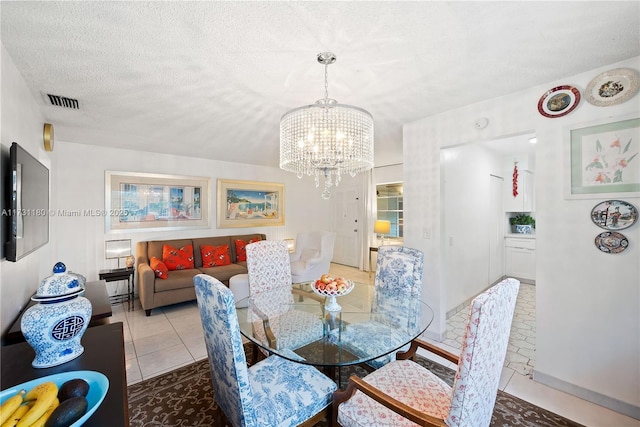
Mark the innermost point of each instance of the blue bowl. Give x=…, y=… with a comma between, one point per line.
x=98, y=386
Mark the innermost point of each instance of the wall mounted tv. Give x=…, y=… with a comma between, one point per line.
x=28, y=204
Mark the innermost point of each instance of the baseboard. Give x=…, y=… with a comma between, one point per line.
x=466, y=302
x=589, y=395
x=526, y=281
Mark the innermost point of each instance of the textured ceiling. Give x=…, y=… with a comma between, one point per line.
x=212, y=79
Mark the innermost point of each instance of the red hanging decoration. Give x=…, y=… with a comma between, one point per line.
x=515, y=179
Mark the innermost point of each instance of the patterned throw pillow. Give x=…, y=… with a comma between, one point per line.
x=215, y=256
x=241, y=252
x=177, y=259
x=159, y=268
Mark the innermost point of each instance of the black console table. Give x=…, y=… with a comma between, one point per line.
x=95, y=292
x=103, y=352
x=116, y=274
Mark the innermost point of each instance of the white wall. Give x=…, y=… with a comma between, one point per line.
x=23, y=123
x=79, y=185
x=77, y=182
x=466, y=183
x=588, y=302
x=388, y=174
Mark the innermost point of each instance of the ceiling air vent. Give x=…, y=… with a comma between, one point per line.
x=63, y=101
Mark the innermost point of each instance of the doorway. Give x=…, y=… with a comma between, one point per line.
x=476, y=180
x=347, y=226
x=496, y=229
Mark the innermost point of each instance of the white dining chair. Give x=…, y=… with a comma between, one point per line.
x=403, y=393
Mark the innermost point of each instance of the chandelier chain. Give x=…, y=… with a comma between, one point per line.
x=326, y=81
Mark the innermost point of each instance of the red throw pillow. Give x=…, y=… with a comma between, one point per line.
x=177, y=259
x=215, y=256
x=159, y=268
x=241, y=252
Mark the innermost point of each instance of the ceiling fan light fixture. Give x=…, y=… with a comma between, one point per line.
x=326, y=139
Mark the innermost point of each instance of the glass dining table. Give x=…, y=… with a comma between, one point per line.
x=294, y=323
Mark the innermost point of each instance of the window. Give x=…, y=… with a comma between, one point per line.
x=389, y=202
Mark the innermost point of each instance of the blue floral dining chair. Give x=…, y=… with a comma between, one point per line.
x=275, y=391
x=396, y=305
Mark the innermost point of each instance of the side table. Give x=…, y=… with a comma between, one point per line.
x=372, y=249
x=116, y=274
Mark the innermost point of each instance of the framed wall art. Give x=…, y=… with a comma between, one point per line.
x=604, y=160
x=559, y=101
x=614, y=215
x=249, y=204
x=612, y=87
x=144, y=201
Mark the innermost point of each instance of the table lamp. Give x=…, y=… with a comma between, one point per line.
x=117, y=249
x=291, y=245
x=382, y=227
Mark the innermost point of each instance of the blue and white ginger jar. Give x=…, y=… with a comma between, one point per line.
x=55, y=326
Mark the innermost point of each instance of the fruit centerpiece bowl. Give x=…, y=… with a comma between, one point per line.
x=332, y=287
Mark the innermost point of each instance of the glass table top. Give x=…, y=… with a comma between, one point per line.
x=294, y=323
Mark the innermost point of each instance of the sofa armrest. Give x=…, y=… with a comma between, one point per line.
x=314, y=261
x=294, y=256
x=146, y=285
x=141, y=254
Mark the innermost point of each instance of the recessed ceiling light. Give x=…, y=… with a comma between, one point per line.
x=533, y=140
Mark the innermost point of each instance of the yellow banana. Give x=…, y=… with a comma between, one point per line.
x=15, y=417
x=40, y=422
x=10, y=405
x=44, y=395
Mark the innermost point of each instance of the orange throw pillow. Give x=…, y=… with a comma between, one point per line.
x=215, y=256
x=159, y=268
x=241, y=252
x=177, y=259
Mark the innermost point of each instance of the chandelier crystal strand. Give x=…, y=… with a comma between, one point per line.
x=326, y=138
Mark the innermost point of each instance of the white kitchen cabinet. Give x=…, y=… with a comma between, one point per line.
x=523, y=202
x=520, y=257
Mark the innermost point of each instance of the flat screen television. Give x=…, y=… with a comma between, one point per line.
x=28, y=204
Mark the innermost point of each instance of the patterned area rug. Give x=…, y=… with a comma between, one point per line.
x=184, y=397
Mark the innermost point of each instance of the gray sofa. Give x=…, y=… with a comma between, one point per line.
x=178, y=286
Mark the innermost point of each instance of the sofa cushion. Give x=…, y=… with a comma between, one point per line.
x=178, y=259
x=209, y=241
x=215, y=256
x=176, y=279
x=159, y=268
x=225, y=272
x=241, y=252
x=246, y=238
x=154, y=247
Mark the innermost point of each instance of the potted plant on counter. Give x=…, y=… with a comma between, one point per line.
x=523, y=224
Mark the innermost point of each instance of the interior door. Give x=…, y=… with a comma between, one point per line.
x=346, y=222
x=496, y=229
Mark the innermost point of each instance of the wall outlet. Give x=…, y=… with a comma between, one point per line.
x=426, y=233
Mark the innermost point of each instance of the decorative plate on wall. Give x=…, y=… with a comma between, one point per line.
x=614, y=215
x=559, y=101
x=611, y=242
x=612, y=87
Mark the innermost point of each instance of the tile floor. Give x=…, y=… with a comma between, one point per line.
x=172, y=337
x=521, y=353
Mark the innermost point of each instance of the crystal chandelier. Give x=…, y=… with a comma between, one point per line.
x=326, y=138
